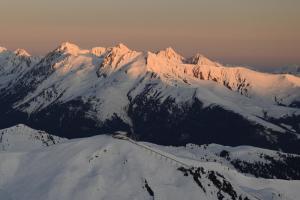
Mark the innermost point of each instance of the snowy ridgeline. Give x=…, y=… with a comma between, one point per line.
x=289, y=69
x=23, y=138
x=108, y=81
x=69, y=72
x=103, y=167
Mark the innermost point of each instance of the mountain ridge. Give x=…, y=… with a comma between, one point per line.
x=73, y=92
x=21, y=138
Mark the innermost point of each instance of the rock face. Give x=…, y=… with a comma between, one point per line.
x=159, y=97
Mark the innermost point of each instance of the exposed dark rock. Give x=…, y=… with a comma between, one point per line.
x=286, y=167
x=218, y=181
x=148, y=188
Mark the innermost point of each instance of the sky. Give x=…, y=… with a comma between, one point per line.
x=262, y=33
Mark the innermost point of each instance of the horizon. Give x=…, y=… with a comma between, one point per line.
x=257, y=34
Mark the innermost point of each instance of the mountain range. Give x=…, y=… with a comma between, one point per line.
x=158, y=97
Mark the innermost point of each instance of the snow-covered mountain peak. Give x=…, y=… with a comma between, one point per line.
x=24, y=138
x=2, y=49
x=200, y=59
x=170, y=54
x=119, y=49
x=122, y=47
x=114, y=58
x=22, y=53
x=116, y=51
x=98, y=51
x=69, y=48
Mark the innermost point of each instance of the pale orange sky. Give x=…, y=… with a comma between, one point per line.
x=249, y=32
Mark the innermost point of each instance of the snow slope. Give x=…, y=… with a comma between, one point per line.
x=102, y=167
x=253, y=161
x=23, y=138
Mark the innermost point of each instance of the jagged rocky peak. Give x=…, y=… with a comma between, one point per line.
x=115, y=52
x=2, y=49
x=114, y=58
x=112, y=52
x=120, y=49
x=98, y=51
x=199, y=59
x=170, y=54
x=69, y=48
x=22, y=53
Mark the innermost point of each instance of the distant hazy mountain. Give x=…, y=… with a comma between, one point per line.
x=158, y=97
x=289, y=69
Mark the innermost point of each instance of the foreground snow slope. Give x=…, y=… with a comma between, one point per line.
x=24, y=138
x=102, y=167
x=250, y=160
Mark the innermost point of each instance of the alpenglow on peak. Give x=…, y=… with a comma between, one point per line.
x=170, y=53
x=22, y=52
x=68, y=47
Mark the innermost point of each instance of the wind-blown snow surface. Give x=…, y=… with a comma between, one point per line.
x=155, y=96
x=24, y=138
x=102, y=167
